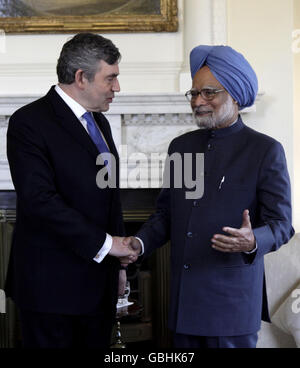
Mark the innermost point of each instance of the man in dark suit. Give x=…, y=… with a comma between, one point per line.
x=63, y=271
x=218, y=241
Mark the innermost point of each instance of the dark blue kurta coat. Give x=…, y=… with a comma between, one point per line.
x=215, y=293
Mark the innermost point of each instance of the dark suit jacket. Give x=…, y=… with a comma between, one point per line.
x=62, y=216
x=215, y=293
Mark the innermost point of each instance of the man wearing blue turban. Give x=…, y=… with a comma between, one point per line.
x=230, y=68
x=218, y=241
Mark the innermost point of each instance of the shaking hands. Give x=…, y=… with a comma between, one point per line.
x=126, y=249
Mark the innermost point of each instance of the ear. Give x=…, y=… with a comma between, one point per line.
x=80, y=79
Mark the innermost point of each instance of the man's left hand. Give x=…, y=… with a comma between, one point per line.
x=239, y=240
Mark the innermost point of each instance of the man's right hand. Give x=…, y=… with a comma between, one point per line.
x=135, y=245
x=121, y=249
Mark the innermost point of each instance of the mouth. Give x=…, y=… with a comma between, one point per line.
x=202, y=113
x=110, y=99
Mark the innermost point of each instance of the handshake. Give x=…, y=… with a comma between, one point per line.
x=126, y=249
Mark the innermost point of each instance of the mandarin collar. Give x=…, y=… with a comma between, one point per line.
x=224, y=132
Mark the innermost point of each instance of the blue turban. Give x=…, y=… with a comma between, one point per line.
x=230, y=68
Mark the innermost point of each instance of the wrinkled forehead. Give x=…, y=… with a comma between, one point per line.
x=205, y=78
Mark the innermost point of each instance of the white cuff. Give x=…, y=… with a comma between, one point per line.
x=253, y=250
x=142, y=245
x=106, y=247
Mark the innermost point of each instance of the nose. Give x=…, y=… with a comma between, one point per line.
x=116, y=86
x=199, y=101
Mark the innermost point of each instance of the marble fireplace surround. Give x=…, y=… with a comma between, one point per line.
x=142, y=124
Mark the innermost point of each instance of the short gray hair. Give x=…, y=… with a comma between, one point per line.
x=84, y=51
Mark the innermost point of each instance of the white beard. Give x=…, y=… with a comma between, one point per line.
x=216, y=120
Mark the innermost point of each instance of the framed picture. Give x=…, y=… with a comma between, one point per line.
x=72, y=16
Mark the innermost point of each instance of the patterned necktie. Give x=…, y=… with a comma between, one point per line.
x=96, y=136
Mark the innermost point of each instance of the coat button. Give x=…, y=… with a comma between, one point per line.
x=209, y=147
x=195, y=204
x=189, y=234
x=187, y=266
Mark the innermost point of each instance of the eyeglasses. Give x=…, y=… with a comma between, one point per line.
x=208, y=94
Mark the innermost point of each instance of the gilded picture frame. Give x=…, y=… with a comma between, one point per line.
x=125, y=18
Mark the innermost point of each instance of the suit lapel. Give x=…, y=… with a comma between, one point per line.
x=69, y=122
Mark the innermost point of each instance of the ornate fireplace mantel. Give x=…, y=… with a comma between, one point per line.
x=142, y=125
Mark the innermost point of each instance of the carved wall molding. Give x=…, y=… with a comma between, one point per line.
x=157, y=119
x=144, y=123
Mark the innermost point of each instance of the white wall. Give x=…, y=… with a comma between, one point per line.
x=262, y=30
x=151, y=62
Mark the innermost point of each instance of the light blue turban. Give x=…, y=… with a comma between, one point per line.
x=230, y=68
